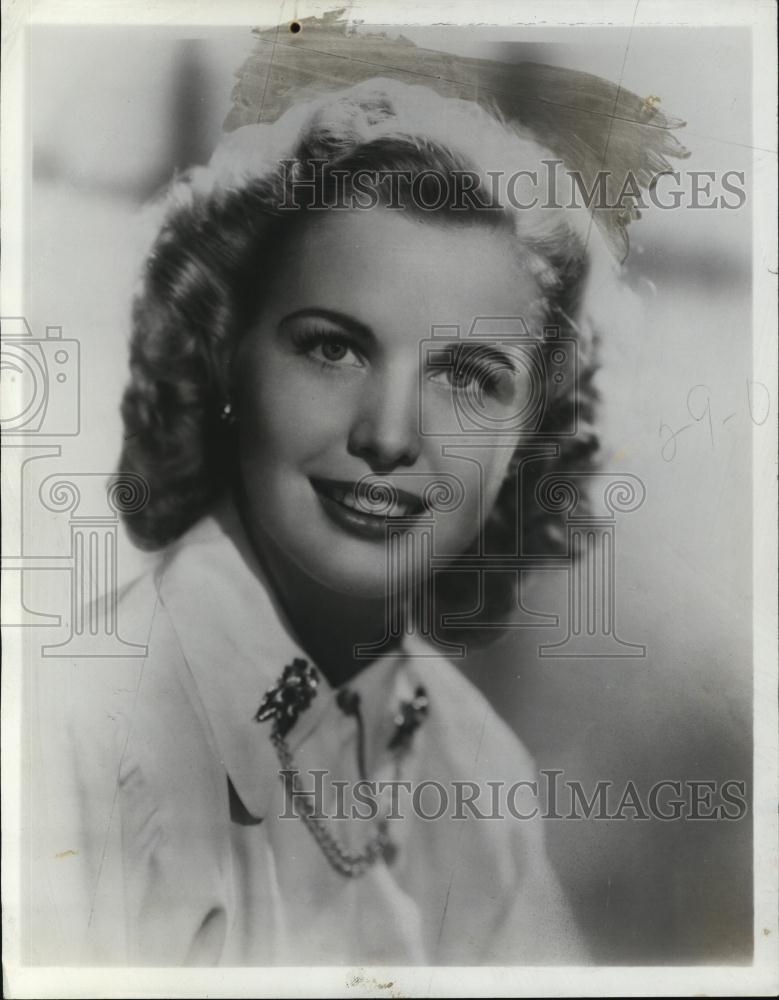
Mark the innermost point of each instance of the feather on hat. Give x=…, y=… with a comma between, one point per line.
x=593, y=125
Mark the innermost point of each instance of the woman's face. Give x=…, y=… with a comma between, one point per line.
x=334, y=383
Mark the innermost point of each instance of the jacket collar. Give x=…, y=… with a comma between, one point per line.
x=236, y=644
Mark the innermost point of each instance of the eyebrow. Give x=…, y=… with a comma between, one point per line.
x=364, y=332
x=346, y=322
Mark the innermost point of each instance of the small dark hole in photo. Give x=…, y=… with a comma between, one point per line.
x=295, y=27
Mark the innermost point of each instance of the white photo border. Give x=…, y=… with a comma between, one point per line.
x=761, y=977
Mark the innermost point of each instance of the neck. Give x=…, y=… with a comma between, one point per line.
x=329, y=625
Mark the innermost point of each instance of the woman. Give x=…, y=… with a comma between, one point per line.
x=307, y=338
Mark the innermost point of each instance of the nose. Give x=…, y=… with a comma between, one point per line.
x=385, y=431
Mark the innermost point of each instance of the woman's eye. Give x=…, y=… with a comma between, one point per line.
x=330, y=349
x=333, y=351
x=450, y=377
x=492, y=380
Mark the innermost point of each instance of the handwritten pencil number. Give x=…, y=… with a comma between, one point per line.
x=758, y=399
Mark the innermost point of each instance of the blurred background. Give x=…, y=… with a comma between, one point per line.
x=115, y=111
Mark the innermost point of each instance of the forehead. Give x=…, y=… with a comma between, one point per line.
x=396, y=271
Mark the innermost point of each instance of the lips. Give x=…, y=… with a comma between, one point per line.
x=340, y=502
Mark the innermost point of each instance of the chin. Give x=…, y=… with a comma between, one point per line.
x=361, y=576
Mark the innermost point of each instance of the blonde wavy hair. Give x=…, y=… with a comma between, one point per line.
x=218, y=230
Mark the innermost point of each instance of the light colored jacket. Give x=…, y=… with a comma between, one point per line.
x=157, y=835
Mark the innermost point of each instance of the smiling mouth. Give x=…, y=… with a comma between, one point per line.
x=339, y=500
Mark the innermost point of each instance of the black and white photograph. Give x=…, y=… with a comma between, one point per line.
x=389, y=432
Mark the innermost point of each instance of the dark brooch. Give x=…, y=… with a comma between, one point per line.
x=282, y=704
x=292, y=695
x=410, y=717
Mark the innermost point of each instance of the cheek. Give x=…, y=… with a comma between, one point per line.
x=480, y=479
x=285, y=416
x=494, y=478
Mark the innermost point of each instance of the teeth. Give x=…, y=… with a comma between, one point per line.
x=348, y=499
